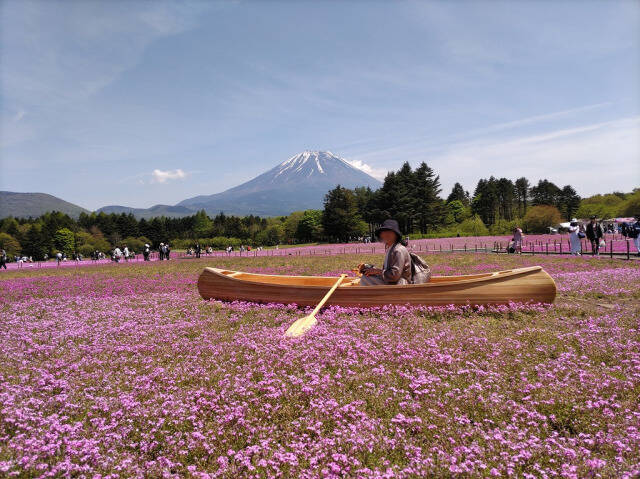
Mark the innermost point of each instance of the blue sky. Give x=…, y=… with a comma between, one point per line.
x=139, y=103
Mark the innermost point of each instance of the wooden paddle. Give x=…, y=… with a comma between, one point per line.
x=302, y=325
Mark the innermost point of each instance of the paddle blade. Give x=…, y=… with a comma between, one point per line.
x=301, y=326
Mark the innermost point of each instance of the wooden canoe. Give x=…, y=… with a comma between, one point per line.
x=531, y=284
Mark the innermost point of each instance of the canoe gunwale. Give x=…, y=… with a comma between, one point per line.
x=497, y=276
x=530, y=284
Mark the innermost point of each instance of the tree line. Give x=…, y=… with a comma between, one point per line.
x=412, y=196
x=496, y=206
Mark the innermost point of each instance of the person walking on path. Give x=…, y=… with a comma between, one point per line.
x=198, y=250
x=635, y=233
x=517, y=239
x=574, y=237
x=594, y=234
x=146, y=251
x=3, y=259
x=125, y=252
x=161, y=252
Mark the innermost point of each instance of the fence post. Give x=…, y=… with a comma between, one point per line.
x=628, y=250
x=610, y=248
x=547, y=249
x=560, y=247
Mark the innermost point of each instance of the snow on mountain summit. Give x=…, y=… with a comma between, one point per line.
x=308, y=163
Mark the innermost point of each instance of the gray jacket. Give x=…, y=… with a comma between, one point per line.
x=397, y=265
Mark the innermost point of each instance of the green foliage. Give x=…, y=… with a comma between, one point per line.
x=35, y=242
x=494, y=199
x=290, y=225
x=503, y=227
x=612, y=205
x=340, y=218
x=459, y=194
x=218, y=242
x=202, y=224
x=568, y=202
x=86, y=250
x=64, y=241
x=545, y=193
x=522, y=195
x=457, y=212
x=271, y=236
x=9, y=244
x=10, y=226
x=602, y=206
x=473, y=227
x=631, y=206
x=566, y=199
x=310, y=226
x=539, y=218
x=409, y=196
x=134, y=244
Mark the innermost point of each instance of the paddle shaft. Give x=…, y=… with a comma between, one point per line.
x=300, y=326
x=328, y=295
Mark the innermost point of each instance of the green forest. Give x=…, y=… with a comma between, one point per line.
x=412, y=196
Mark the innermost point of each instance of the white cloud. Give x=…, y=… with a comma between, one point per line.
x=162, y=176
x=18, y=116
x=595, y=158
x=378, y=173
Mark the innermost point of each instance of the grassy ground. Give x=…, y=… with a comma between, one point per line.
x=123, y=370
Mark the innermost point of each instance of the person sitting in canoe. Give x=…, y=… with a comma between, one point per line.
x=396, y=268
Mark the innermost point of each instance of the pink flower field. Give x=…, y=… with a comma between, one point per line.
x=126, y=372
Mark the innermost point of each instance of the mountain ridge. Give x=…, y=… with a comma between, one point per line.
x=298, y=183
x=25, y=205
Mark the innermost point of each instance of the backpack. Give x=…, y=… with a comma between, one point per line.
x=420, y=271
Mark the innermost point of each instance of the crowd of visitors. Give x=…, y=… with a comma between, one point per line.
x=593, y=231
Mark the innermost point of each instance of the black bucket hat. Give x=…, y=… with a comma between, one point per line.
x=390, y=225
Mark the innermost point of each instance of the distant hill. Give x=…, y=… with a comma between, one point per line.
x=147, y=213
x=298, y=183
x=24, y=205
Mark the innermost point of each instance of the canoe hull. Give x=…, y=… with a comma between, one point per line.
x=531, y=284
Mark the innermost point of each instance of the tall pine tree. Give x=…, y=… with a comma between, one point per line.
x=340, y=218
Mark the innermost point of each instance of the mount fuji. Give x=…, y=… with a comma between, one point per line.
x=296, y=184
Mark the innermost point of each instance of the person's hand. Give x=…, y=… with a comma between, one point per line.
x=372, y=272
